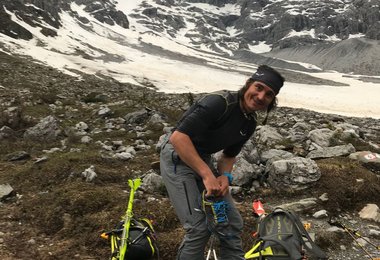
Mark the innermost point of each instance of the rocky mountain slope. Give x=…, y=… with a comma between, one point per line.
x=361, y=54
x=70, y=141
x=321, y=28
x=69, y=146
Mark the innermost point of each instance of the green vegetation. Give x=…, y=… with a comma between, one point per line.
x=63, y=213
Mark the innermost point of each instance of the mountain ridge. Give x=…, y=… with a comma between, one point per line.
x=56, y=128
x=363, y=56
x=224, y=27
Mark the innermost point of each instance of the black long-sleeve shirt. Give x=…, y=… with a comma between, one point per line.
x=216, y=122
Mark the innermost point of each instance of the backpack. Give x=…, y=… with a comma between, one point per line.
x=282, y=236
x=141, y=243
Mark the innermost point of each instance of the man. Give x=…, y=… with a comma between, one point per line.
x=214, y=123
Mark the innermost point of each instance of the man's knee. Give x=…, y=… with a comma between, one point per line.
x=235, y=219
x=238, y=222
x=194, y=243
x=198, y=230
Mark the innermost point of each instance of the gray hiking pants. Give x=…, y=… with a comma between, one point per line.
x=185, y=187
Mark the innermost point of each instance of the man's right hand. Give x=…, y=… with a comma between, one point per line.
x=185, y=149
x=212, y=186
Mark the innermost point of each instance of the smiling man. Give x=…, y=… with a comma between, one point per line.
x=198, y=192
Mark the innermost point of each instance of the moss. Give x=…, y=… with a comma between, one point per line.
x=18, y=119
x=126, y=136
x=94, y=97
x=340, y=181
x=121, y=110
x=287, y=143
x=8, y=146
x=358, y=143
x=334, y=140
x=50, y=96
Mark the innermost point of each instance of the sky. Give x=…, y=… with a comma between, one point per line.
x=115, y=53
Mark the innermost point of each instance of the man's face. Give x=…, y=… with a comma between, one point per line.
x=258, y=97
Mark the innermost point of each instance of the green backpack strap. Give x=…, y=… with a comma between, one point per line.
x=289, y=248
x=307, y=242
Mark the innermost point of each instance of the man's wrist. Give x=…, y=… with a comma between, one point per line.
x=229, y=176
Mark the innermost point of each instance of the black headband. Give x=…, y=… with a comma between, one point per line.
x=270, y=78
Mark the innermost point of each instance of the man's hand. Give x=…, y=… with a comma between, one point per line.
x=212, y=186
x=224, y=184
x=185, y=149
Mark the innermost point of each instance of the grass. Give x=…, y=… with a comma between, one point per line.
x=348, y=183
x=12, y=145
x=64, y=214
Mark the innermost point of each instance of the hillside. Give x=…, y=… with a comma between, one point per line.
x=329, y=31
x=56, y=212
x=359, y=56
x=83, y=107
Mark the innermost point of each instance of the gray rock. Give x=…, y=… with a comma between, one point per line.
x=370, y=211
x=279, y=154
x=47, y=130
x=324, y=197
x=235, y=190
x=124, y=156
x=12, y=117
x=17, y=156
x=6, y=132
x=335, y=229
x=298, y=132
x=86, y=139
x=350, y=128
x=374, y=233
x=152, y=182
x=156, y=118
x=293, y=174
x=5, y=190
x=81, y=126
x=349, y=134
x=89, y=173
x=137, y=117
x=320, y=214
x=245, y=172
x=303, y=205
x=268, y=136
x=52, y=150
x=104, y=111
x=366, y=157
x=41, y=159
x=321, y=137
x=327, y=152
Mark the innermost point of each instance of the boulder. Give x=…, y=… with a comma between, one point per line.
x=47, y=130
x=293, y=174
x=5, y=190
x=322, y=136
x=327, y=152
x=370, y=211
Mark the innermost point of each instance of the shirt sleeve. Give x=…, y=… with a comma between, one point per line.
x=202, y=115
x=234, y=150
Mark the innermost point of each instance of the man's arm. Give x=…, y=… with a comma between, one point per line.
x=185, y=149
x=225, y=164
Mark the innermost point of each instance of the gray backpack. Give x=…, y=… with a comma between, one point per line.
x=282, y=236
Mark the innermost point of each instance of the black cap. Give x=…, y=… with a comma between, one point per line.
x=270, y=77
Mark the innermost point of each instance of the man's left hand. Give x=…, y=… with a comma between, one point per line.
x=224, y=184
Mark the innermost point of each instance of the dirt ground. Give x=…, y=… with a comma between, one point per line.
x=56, y=216
x=54, y=213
